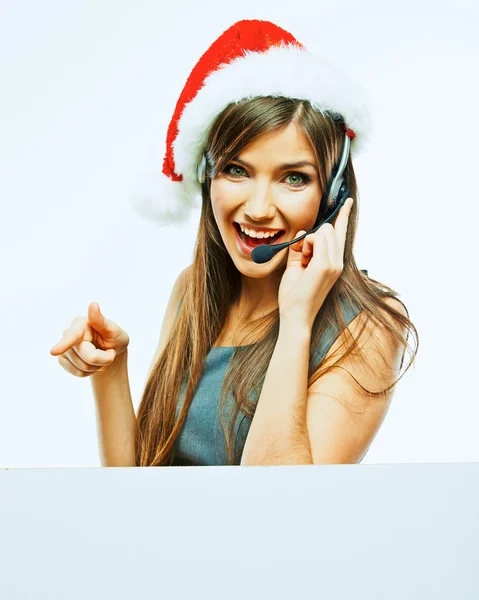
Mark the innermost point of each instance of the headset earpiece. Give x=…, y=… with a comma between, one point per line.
x=336, y=191
x=343, y=193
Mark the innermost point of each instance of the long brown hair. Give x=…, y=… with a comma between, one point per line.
x=214, y=283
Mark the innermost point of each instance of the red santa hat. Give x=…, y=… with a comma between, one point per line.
x=250, y=59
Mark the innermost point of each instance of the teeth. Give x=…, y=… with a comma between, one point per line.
x=257, y=234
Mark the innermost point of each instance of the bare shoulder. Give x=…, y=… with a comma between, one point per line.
x=374, y=338
x=342, y=415
x=176, y=295
x=397, y=305
x=363, y=321
x=400, y=308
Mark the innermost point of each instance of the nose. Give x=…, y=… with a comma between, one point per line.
x=260, y=205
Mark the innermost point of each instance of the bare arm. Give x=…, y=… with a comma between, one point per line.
x=332, y=421
x=116, y=420
x=278, y=434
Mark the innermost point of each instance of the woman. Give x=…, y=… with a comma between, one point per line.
x=288, y=361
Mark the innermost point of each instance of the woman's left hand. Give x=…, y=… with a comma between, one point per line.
x=314, y=265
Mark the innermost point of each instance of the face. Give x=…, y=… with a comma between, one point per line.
x=271, y=186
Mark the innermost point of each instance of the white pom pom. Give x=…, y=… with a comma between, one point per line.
x=159, y=200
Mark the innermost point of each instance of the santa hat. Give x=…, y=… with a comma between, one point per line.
x=252, y=58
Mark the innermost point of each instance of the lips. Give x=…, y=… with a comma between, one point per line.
x=247, y=244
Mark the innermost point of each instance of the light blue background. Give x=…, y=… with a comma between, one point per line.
x=372, y=532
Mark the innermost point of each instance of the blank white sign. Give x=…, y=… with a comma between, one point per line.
x=375, y=532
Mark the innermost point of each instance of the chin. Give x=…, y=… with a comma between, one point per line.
x=249, y=268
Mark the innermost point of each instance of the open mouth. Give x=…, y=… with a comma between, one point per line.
x=251, y=242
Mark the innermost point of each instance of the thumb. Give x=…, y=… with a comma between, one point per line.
x=99, y=322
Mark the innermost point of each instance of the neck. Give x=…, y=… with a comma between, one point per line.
x=258, y=296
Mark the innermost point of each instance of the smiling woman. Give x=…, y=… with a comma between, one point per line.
x=289, y=361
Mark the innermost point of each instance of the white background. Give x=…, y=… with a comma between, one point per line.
x=87, y=91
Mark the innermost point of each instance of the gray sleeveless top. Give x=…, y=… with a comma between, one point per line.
x=201, y=439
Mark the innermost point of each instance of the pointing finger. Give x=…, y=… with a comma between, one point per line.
x=69, y=339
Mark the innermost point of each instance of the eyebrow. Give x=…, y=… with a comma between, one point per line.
x=284, y=167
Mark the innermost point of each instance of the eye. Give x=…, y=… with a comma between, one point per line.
x=297, y=179
x=234, y=170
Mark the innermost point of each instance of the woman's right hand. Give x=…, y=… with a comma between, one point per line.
x=91, y=344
